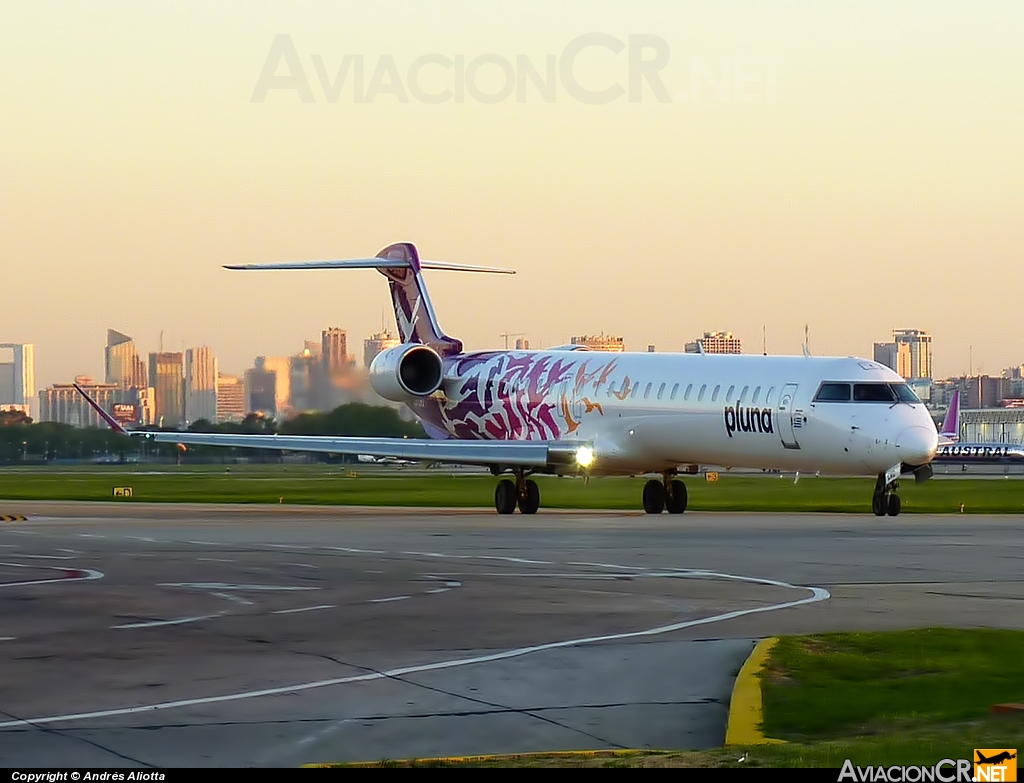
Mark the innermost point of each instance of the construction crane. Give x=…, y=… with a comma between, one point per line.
x=506, y=335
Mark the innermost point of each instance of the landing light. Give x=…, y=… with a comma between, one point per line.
x=584, y=456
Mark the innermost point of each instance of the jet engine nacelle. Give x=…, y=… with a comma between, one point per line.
x=408, y=370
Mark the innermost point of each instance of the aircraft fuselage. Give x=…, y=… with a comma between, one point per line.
x=652, y=412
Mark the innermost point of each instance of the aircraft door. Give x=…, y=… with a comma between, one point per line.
x=787, y=417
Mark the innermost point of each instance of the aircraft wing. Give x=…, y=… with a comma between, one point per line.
x=460, y=452
x=478, y=452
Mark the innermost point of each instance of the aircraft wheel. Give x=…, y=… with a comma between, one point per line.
x=529, y=500
x=879, y=504
x=505, y=497
x=654, y=497
x=894, y=505
x=675, y=500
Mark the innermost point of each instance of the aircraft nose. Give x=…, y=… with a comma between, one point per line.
x=917, y=445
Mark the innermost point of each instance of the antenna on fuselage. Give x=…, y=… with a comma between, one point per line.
x=764, y=339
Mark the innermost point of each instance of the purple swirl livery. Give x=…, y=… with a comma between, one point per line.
x=491, y=395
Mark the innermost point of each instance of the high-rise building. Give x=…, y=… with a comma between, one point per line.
x=231, y=403
x=201, y=373
x=166, y=375
x=522, y=344
x=886, y=355
x=280, y=366
x=334, y=350
x=261, y=392
x=122, y=363
x=913, y=353
x=377, y=343
x=18, y=377
x=600, y=342
x=302, y=377
x=985, y=391
x=715, y=342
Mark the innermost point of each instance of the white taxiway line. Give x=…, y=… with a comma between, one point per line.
x=237, y=599
x=223, y=586
x=304, y=609
x=84, y=574
x=817, y=594
x=386, y=600
x=182, y=621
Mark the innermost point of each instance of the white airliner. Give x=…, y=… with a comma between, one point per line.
x=571, y=411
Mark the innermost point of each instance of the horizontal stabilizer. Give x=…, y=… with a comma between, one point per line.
x=371, y=263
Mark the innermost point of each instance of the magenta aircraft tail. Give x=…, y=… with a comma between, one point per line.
x=401, y=265
x=950, y=431
x=414, y=313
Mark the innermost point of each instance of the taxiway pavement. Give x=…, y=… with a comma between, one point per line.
x=172, y=636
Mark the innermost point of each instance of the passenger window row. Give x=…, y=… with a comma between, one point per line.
x=622, y=392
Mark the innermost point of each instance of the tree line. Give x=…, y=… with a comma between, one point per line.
x=25, y=441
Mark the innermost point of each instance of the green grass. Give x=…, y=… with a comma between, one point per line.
x=891, y=698
x=878, y=683
x=318, y=485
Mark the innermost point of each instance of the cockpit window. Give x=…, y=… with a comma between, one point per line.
x=873, y=392
x=833, y=392
x=905, y=393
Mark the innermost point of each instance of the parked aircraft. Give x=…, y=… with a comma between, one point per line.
x=573, y=411
x=951, y=450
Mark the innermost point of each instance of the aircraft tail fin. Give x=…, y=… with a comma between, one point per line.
x=400, y=263
x=950, y=430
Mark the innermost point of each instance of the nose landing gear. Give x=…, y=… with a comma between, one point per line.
x=885, y=500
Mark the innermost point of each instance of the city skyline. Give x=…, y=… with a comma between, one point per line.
x=845, y=196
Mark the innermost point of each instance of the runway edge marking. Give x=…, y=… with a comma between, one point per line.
x=746, y=713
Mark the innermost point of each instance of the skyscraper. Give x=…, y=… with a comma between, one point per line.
x=334, y=350
x=231, y=403
x=122, y=363
x=18, y=377
x=167, y=379
x=885, y=354
x=280, y=366
x=201, y=374
x=377, y=343
x=913, y=353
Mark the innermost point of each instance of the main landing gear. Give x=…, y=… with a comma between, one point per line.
x=523, y=492
x=885, y=500
x=669, y=494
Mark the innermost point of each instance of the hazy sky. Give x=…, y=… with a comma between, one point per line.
x=854, y=166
